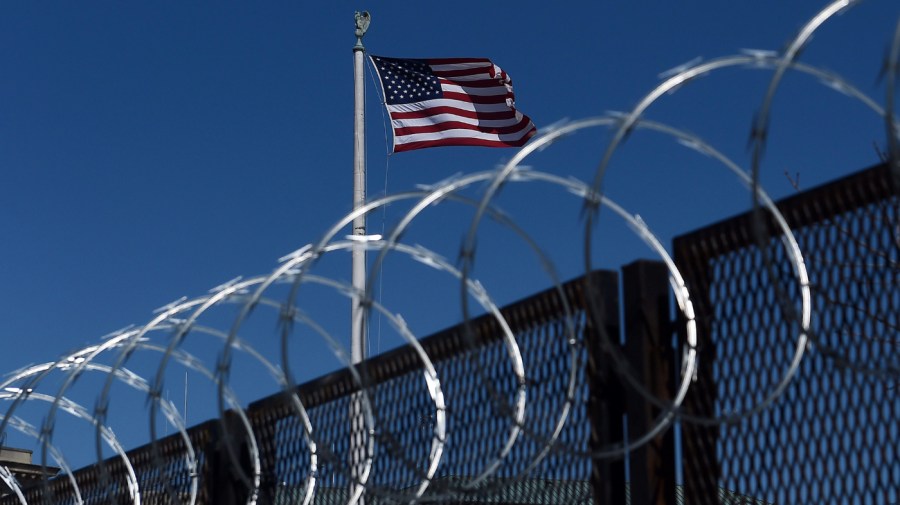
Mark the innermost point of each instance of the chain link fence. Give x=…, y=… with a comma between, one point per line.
x=831, y=436
x=780, y=410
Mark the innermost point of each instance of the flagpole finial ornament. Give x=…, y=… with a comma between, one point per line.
x=362, y=24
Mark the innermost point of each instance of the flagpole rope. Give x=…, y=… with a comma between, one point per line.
x=387, y=167
x=384, y=121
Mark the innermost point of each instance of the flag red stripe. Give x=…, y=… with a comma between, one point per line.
x=454, y=61
x=481, y=83
x=476, y=99
x=464, y=72
x=462, y=142
x=458, y=125
x=434, y=111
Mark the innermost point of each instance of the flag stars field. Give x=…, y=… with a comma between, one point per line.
x=416, y=81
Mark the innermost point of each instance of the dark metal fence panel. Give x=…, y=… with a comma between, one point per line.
x=475, y=369
x=162, y=477
x=572, y=406
x=833, y=435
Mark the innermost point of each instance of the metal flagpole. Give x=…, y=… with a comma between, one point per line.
x=357, y=312
x=358, y=334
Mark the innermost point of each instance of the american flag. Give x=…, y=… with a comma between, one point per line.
x=450, y=102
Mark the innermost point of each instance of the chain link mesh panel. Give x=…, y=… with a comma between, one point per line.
x=832, y=436
x=487, y=458
x=477, y=465
x=162, y=477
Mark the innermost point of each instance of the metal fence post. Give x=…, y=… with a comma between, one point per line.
x=224, y=482
x=699, y=459
x=649, y=351
x=605, y=403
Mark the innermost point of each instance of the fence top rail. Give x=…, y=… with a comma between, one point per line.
x=803, y=209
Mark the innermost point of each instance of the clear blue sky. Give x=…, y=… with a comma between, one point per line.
x=150, y=151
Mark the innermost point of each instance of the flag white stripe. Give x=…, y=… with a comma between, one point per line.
x=443, y=102
x=442, y=118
